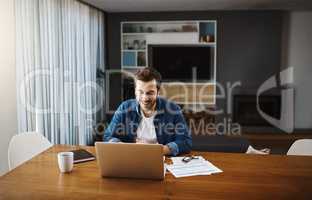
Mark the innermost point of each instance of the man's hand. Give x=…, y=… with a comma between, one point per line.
x=166, y=150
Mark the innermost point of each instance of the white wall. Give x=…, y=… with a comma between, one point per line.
x=8, y=116
x=299, y=56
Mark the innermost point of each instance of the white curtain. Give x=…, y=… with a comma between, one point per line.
x=60, y=47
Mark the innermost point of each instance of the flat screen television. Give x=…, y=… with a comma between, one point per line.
x=178, y=63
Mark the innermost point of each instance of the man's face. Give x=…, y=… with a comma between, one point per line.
x=146, y=94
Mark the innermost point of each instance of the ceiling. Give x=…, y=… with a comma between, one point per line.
x=197, y=5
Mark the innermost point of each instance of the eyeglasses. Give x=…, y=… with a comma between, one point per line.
x=187, y=159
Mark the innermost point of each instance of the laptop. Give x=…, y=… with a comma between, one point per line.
x=130, y=160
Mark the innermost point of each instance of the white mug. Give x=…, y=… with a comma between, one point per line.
x=65, y=161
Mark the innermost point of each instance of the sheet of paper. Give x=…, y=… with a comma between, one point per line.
x=195, y=167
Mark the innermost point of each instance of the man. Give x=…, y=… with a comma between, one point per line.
x=150, y=118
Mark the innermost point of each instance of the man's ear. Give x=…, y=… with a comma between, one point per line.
x=158, y=91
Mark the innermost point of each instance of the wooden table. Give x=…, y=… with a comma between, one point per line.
x=244, y=177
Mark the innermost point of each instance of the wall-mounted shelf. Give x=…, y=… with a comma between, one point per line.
x=137, y=36
x=160, y=27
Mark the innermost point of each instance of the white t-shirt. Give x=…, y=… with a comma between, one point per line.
x=146, y=131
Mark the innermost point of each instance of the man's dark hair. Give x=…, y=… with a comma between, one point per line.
x=148, y=74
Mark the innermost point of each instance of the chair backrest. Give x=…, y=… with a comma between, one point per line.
x=301, y=147
x=24, y=146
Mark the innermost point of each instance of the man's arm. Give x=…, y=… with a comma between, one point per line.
x=183, y=139
x=115, y=123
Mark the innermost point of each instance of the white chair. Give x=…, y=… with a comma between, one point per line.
x=24, y=146
x=301, y=147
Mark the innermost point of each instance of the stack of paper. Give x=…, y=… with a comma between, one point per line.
x=195, y=167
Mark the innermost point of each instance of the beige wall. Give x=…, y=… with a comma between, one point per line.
x=8, y=116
